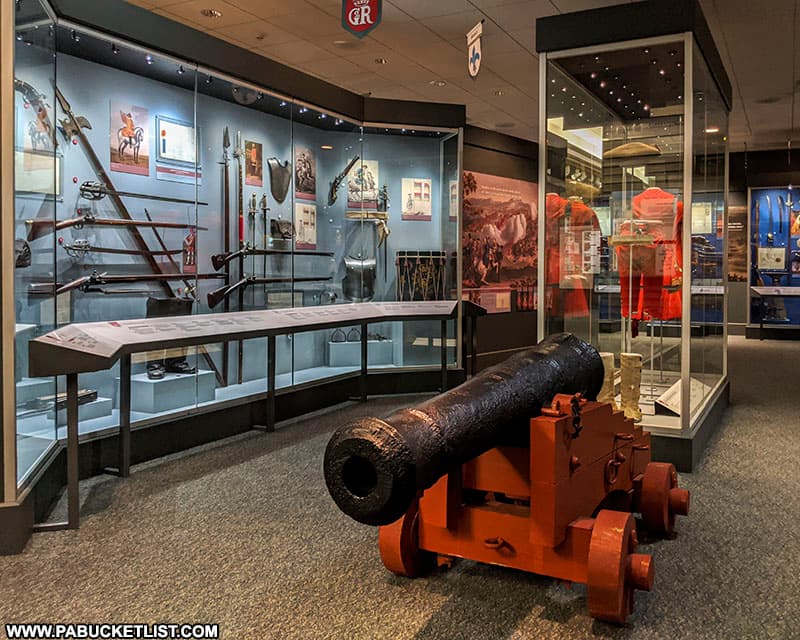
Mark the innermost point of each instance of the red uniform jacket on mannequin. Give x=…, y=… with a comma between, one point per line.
x=569, y=302
x=649, y=277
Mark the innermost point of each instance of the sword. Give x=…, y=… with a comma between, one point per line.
x=770, y=233
x=780, y=214
x=95, y=191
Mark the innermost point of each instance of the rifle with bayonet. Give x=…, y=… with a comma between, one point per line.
x=219, y=260
x=218, y=295
x=37, y=227
x=95, y=191
x=79, y=249
x=336, y=183
x=89, y=284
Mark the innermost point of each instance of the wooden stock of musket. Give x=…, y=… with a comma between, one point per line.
x=218, y=295
x=38, y=227
x=219, y=260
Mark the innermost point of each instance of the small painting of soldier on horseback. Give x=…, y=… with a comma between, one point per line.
x=129, y=139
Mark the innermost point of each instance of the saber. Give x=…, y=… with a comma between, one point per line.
x=781, y=205
x=95, y=191
x=770, y=233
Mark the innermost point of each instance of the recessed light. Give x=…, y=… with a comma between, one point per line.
x=381, y=61
x=261, y=36
x=340, y=43
x=499, y=92
x=437, y=83
x=711, y=129
x=326, y=147
x=211, y=13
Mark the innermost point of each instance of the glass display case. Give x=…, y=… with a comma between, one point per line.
x=774, y=258
x=150, y=186
x=634, y=184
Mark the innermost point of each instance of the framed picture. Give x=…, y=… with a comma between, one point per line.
x=363, y=185
x=254, y=164
x=129, y=138
x=37, y=172
x=417, y=199
x=305, y=224
x=176, y=141
x=305, y=174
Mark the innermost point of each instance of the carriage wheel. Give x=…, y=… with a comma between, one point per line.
x=661, y=499
x=399, y=545
x=614, y=571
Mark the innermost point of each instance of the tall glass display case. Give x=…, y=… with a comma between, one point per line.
x=149, y=185
x=633, y=177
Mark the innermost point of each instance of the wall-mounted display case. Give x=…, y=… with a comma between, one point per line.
x=633, y=181
x=148, y=184
x=774, y=258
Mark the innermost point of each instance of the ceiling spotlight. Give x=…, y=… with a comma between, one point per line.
x=114, y=49
x=711, y=129
x=181, y=70
x=592, y=75
x=381, y=61
x=75, y=36
x=303, y=109
x=211, y=13
x=437, y=83
x=322, y=116
x=20, y=35
x=563, y=89
x=326, y=147
x=148, y=59
x=661, y=72
x=603, y=84
x=283, y=103
x=646, y=107
x=499, y=92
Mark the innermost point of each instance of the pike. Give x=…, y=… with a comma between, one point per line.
x=38, y=227
x=219, y=260
x=95, y=191
x=770, y=233
x=226, y=236
x=218, y=295
x=336, y=183
x=264, y=208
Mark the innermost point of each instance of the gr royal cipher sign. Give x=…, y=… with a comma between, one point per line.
x=359, y=17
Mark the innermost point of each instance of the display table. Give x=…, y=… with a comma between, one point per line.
x=771, y=292
x=97, y=346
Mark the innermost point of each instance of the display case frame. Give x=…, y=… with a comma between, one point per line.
x=126, y=28
x=571, y=42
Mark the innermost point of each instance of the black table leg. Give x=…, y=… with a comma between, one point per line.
x=362, y=381
x=443, y=351
x=125, y=416
x=270, y=383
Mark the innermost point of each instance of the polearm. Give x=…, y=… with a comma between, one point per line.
x=95, y=191
x=239, y=155
x=218, y=295
x=226, y=236
x=37, y=227
x=219, y=260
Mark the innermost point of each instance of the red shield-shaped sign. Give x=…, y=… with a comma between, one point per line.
x=359, y=17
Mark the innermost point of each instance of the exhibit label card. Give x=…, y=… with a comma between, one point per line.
x=129, y=139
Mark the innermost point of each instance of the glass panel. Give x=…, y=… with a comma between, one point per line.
x=613, y=212
x=130, y=241
x=709, y=146
x=38, y=182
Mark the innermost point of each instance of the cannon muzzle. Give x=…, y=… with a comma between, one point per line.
x=374, y=468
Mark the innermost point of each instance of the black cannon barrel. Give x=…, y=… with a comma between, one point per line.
x=375, y=467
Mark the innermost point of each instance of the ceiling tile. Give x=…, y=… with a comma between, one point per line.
x=192, y=11
x=311, y=24
x=256, y=33
x=430, y=8
x=520, y=14
x=297, y=52
x=454, y=26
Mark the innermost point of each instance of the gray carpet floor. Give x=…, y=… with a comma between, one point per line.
x=244, y=534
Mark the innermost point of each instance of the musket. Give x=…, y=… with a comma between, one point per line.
x=85, y=283
x=95, y=191
x=336, y=183
x=80, y=248
x=219, y=260
x=218, y=295
x=37, y=227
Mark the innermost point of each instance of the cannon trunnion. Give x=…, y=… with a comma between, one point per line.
x=558, y=501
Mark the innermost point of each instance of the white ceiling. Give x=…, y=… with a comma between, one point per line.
x=424, y=40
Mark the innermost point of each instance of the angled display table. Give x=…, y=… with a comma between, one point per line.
x=97, y=346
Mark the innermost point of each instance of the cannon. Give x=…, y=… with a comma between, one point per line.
x=517, y=467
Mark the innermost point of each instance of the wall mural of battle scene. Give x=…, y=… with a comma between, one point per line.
x=499, y=241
